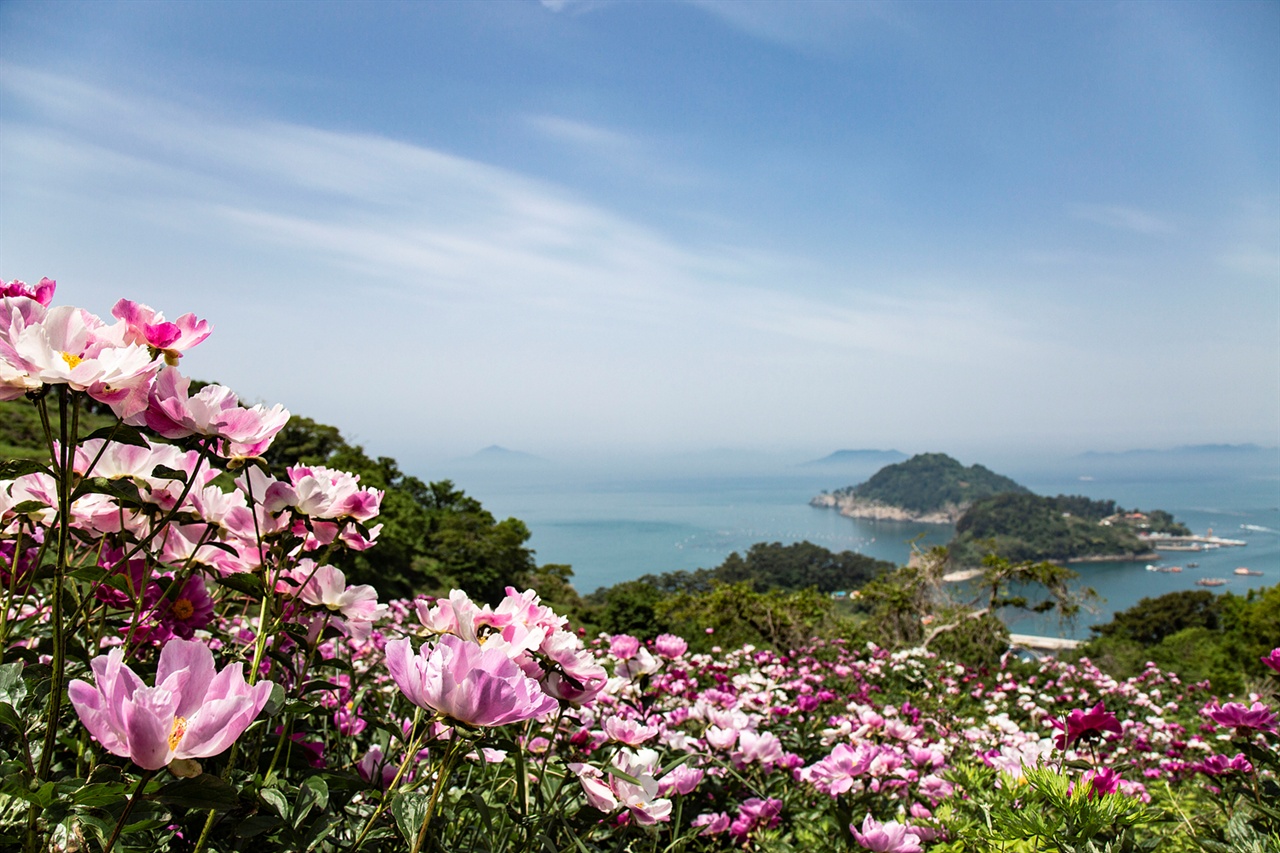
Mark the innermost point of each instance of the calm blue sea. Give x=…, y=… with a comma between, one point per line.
x=615, y=527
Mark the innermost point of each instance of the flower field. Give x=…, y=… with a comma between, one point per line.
x=184, y=668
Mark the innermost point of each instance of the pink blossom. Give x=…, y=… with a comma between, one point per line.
x=836, y=774
x=1272, y=660
x=213, y=411
x=41, y=293
x=670, y=646
x=630, y=732
x=190, y=609
x=374, y=768
x=1081, y=724
x=889, y=837
x=470, y=684
x=326, y=587
x=624, y=646
x=70, y=346
x=682, y=779
x=148, y=327
x=715, y=823
x=1236, y=716
x=192, y=712
x=754, y=814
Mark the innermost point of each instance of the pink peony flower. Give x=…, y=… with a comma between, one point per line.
x=1236, y=716
x=670, y=646
x=1080, y=724
x=462, y=680
x=192, y=712
x=1272, y=660
x=148, y=327
x=890, y=837
x=213, y=411
x=42, y=292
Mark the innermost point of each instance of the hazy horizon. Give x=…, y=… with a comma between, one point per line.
x=584, y=228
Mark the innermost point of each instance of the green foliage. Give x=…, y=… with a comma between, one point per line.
x=930, y=482
x=643, y=607
x=766, y=566
x=735, y=614
x=1024, y=527
x=1152, y=619
x=434, y=537
x=1204, y=637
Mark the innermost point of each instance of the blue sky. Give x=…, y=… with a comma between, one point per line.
x=592, y=227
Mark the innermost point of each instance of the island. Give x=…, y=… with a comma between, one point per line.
x=994, y=514
x=930, y=488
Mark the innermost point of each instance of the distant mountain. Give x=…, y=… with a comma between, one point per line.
x=494, y=455
x=857, y=457
x=1195, y=450
x=929, y=487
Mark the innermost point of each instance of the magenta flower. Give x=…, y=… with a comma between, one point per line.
x=149, y=327
x=42, y=292
x=889, y=837
x=462, y=680
x=1244, y=720
x=192, y=712
x=190, y=610
x=1273, y=660
x=1081, y=724
x=670, y=646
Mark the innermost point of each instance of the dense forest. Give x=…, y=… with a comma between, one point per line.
x=1068, y=527
x=929, y=482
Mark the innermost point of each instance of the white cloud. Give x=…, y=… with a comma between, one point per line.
x=806, y=25
x=1123, y=218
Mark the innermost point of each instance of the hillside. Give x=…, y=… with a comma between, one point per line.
x=1026, y=527
x=929, y=487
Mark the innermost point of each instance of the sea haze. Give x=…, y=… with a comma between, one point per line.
x=613, y=523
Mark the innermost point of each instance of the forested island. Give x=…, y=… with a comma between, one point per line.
x=931, y=488
x=995, y=515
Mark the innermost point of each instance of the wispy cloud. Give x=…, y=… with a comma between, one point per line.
x=1123, y=218
x=564, y=307
x=806, y=25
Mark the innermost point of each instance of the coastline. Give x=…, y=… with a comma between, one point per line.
x=876, y=511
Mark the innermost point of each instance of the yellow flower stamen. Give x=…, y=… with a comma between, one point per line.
x=183, y=608
x=72, y=360
x=179, y=729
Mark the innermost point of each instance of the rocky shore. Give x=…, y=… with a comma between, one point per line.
x=862, y=508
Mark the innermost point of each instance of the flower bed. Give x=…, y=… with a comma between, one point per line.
x=184, y=668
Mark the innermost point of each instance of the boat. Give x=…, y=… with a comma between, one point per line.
x=1211, y=582
x=1245, y=571
x=1193, y=565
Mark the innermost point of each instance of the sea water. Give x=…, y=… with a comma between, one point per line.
x=616, y=526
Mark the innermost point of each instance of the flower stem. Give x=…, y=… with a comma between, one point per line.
x=128, y=809
x=446, y=770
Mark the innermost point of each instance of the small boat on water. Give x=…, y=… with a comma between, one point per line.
x=1193, y=565
x=1211, y=582
x=1244, y=571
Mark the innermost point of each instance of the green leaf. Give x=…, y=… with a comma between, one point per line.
x=100, y=794
x=312, y=793
x=205, y=791
x=169, y=473
x=256, y=825
x=249, y=584
x=275, y=702
x=409, y=810
x=11, y=469
x=12, y=688
x=277, y=800
x=120, y=434
x=9, y=718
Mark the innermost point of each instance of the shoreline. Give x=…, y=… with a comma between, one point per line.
x=876, y=511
